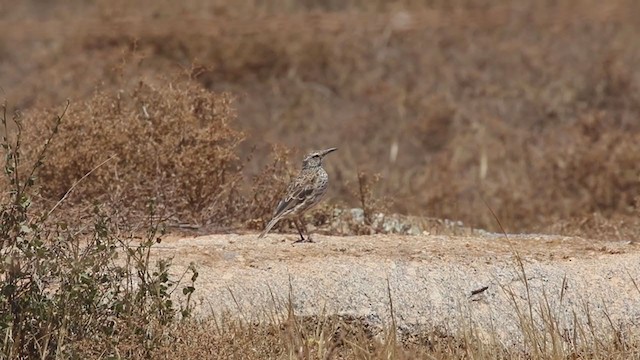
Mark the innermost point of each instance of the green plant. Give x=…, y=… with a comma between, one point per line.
x=28, y=265
x=62, y=288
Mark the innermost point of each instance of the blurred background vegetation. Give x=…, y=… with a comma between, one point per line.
x=530, y=108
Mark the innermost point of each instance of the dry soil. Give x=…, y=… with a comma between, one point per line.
x=433, y=281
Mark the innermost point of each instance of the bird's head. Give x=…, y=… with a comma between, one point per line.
x=314, y=159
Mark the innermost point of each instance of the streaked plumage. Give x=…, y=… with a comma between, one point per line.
x=304, y=192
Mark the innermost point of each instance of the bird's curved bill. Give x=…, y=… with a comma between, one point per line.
x=325, y=152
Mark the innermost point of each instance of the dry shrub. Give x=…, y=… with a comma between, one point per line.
x=528, y=178
x=172, y=142
x=597, y=226
x=594, y=167
x=593, y=163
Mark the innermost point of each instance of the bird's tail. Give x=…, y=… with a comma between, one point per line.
x=271, y=224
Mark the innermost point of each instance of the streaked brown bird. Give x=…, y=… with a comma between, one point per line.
x=304, y=192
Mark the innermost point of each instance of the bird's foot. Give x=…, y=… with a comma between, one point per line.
x=303, y=240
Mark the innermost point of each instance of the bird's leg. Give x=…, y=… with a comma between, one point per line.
x=304, y=226
x=302, y=239
x=293, y=220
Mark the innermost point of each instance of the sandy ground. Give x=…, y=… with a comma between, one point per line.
x=432, y=280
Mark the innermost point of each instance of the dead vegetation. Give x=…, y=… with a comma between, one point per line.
x=530, y=108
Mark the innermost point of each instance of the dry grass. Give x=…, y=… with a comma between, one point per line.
x=306, y=338
x=291, y=336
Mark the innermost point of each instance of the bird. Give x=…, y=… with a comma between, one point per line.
x=304, y=192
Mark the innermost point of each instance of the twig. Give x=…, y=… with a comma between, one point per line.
x=76, y=183
x=479, y=291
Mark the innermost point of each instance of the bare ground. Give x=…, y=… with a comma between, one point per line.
x=431, y=280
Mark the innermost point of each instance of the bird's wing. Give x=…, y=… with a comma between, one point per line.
x=298, y=191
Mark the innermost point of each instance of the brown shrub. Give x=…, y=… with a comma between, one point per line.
x=172, y=143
